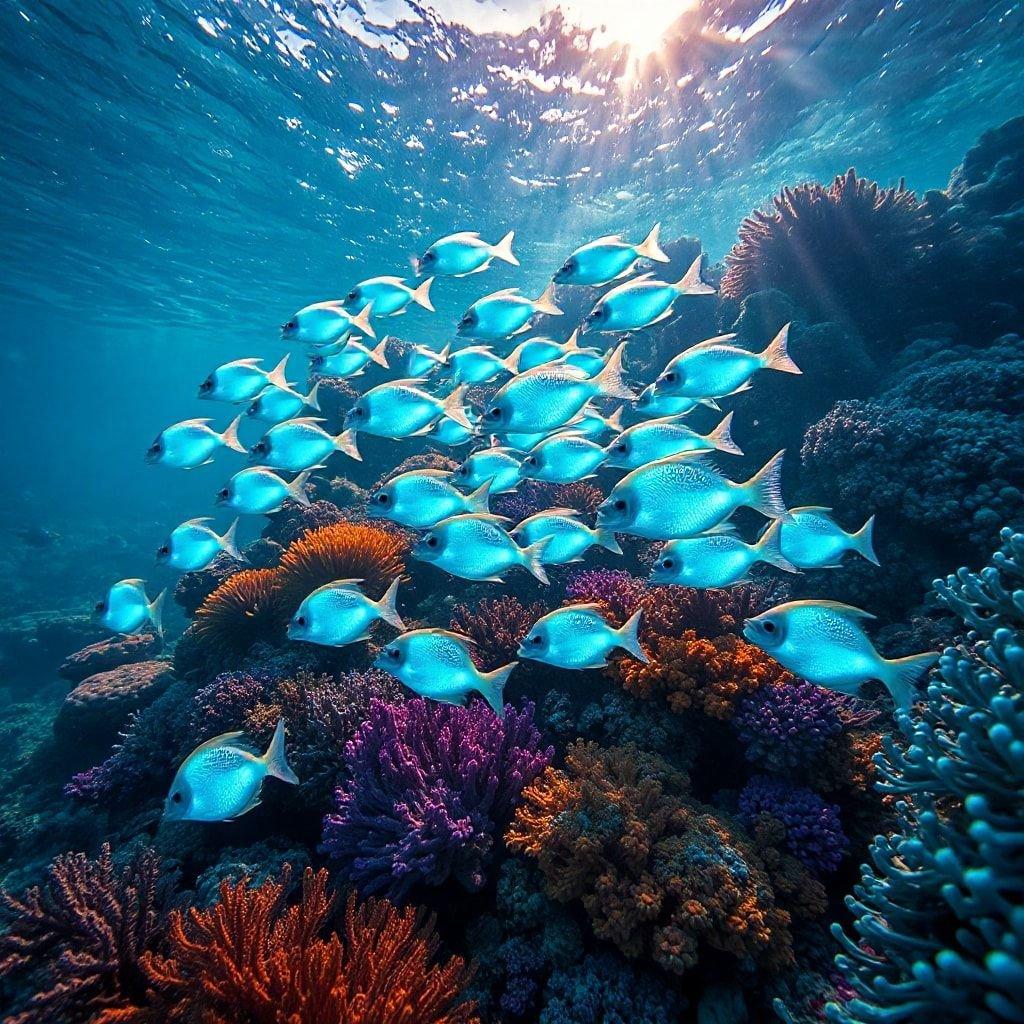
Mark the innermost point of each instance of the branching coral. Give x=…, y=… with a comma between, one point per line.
x=937, y=911
x=244, y=609
x=252, y=958
x=849, y=251
x=658, y=873
x=496, y=626
x=430, y=788
x=86, y=929
x=707, y=675
x=343, y=551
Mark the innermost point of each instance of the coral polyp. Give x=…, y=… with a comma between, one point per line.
x=244, y=609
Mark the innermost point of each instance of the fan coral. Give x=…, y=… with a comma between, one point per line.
x=814, y=834
x=344, y=551
x=786, y=726
x=496, y=626
x=250, y=957
x=430, y=787
x=848, y=251
x=245, y=608
x=580, y=495
x=694, y=672
x=658, y=874
x=938, y=909
x=86, y=929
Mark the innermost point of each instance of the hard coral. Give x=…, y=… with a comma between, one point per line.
x=343, y=551
x=430, y=787
x=496, y=626
x=848, y=251
x=251, y=957
x=937, y=911
x=658, y=873
x=86, y=930
x=707, y=675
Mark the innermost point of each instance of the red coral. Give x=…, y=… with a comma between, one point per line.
x=245, y=608
x=252, y=958
x=86, y=929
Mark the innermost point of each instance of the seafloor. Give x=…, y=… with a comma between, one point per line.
x=696, y=838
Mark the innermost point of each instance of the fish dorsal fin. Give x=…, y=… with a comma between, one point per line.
x=835, y=606
x=604, y=240
x=503, y=293
x=483, y=517
x=384, y=279
x=437, y=474
x=225, y=739
x=720, y=339
x=252, y=361
x=459, y=236
x=192, y=423
x=589, y=606
x=305, y=421
x=198, y=521
x=134, y=583
x=639, y=279
x=811, y=508
x=441, y=631
x=721, y=529
x=352, y=584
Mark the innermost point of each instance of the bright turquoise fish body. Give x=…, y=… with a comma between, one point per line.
x=126, y=609
x=193, y=545
x=605, y=259
x=579, y=637
x=569, y=538
x=339, y=613
x=421, y=498
x=192, y=443
x=563, y=459
x=299, y=444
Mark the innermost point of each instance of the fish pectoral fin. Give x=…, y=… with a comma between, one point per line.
x=251, y=805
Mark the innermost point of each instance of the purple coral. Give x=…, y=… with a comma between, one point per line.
x=787, y=725
x=620, y=591
x=814, y=833
x=430, y=786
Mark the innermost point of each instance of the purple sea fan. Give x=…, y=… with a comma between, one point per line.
x=814, y=833
x=787, y=725
x=429, y=786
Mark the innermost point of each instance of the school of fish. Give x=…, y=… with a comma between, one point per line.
x=541, y=423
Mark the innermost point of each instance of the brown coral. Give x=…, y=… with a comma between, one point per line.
x=708, y=675
x=580, y=495
x=342, y=551
x=245, y=608
x=86, y=930
x=496, y=626
x=847, y=251
x=252, y=958
x=657, y=872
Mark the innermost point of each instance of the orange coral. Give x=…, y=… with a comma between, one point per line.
x=252, y=958
x=342, y=551
x=709, y=675
x=657, y=872
x=245, y=608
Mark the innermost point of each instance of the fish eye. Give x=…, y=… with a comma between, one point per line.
x=316, y=362
x=620, y=505
x=463, y=470
x=467, y=320
x=300, y=620
x=667, y=563
x=382, y=498
x=621, y=447
x=358, y=411
x=431, y=541
x=223, y=493
x=531, y=460
x=164, y=549
x=207, y=384
x=176, y=796
x=536, y=639
x=352, y=295
x=671, y=377
x=494, y=413
x=101, y=606
x=291, y=325
x=428, y=257
x=259, y=448
x=393, y=653
x=768, y=626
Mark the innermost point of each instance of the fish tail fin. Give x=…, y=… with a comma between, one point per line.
x=387, y=606
x=515, y=356
x=764, y=489
x=532, y=559
x=650, y=247
x=768, y=549
x=362, y=321
x=721, y=437
x=421, y=295
x=510, y=364
x=230, y=436
x=377, y=352
x=572, y=343
x=606, y=539
x=901, y=674
x=156, y=613
x=628, y=638
x=610, y=381
x=614, y=420
x=864, y=541
x=503, y=250
x=228, y=543
x=775, y=356
x=444, y=354
x=690, y=283
x=346, y=442
x=297, y=488
x=492, y=687
x=709, y=403
x=276, y=760
x=313, y=398
x=546, y=302
x=454, y=407
x=277, y=375
x=479, y=500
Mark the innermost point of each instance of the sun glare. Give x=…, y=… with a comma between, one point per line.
x=639, y=24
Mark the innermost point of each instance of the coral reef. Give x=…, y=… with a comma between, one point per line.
x=342, y=551
x=937, y=911
x=430, y=788
x=252, y=957
x=658, y=873
x=496, y=626
x=295, y=521
x=108, y=654
x=85, y=931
